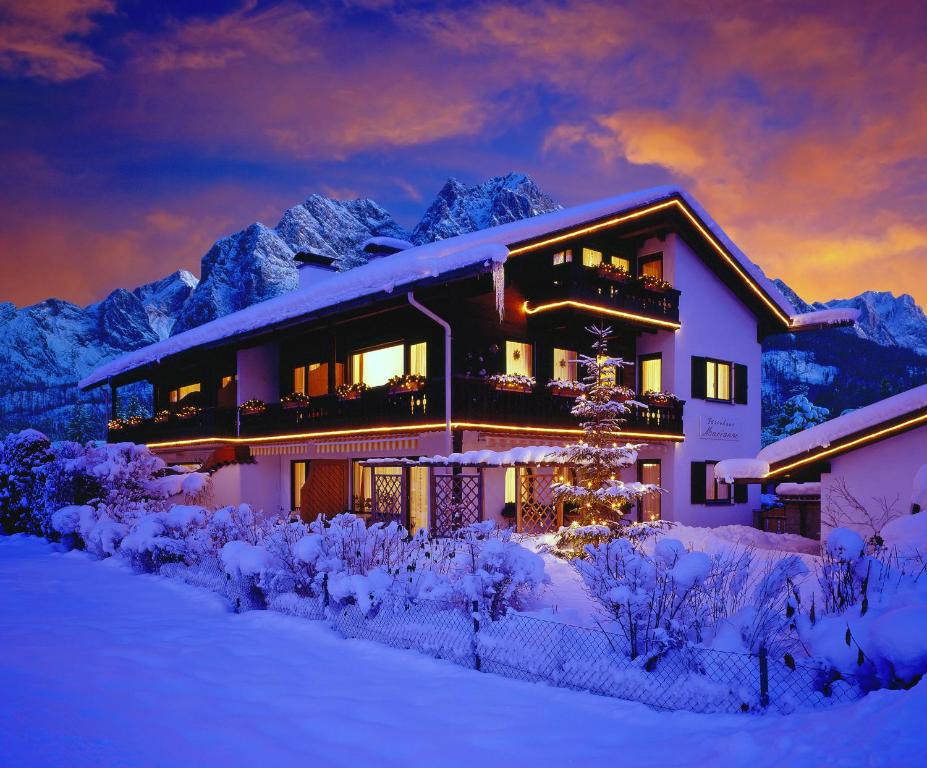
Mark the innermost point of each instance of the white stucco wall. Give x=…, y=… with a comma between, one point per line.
x=715, y=323
x=879, y=476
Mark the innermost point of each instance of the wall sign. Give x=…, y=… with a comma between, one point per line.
x=715, y=428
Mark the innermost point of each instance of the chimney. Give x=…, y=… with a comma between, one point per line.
x=313, y=267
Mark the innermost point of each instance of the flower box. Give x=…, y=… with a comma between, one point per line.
x=294, y=400
x=655, y=284
x=660, y=399
x=512, y=387
x=187, y=413
x=610, y=272
x=252, y=407
x=162, y=417
x=350, y=395
x=351, y=391
x=622, y=394
x=400, y=385
x=563, y=388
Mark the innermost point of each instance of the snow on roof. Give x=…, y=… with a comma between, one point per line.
x=822, y=435
x=919, y=492
x=729, y=470
x=798, y=489
x=403, y=269
x=820, y=317
x=531, y=454
x=386, y=242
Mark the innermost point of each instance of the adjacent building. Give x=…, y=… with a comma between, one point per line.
x=470, y=344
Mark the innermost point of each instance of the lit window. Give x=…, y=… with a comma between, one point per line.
x=564, y=364
x=228, y=380
x=317, y=379
x=418, y=359
x=298, y=473
x=182, y=393
x=510, y=485
x=418, y=497
x=624, y=264
x=652, y=266
x=299, y=379
x=651, y=374
x=592, y=257
x=718, y=380
x=363, y=491
x=518, y=359
x=377, y=366
x=649, y=472
x=563, y=257
x=715, y=490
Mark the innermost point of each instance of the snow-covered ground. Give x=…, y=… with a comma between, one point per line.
x=100, y=666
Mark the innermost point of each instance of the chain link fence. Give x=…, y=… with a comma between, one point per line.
x=540, y=650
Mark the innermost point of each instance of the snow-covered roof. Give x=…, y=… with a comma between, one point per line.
x=527, y=455
x=869, y=417
x=729, y=470
x=404, y=269
x=825, y=317
x=798, y=489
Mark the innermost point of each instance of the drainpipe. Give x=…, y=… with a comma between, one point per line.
x=447, y=368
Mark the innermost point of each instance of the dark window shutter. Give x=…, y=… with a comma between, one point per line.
x=699, y=375
x=698, y=482
x=740, y=384
x=740, y=494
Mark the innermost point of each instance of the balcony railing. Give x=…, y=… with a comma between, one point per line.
x=574, y=281
x=209, y=422
x=474, y=400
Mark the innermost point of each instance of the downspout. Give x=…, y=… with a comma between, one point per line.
x=449, y=438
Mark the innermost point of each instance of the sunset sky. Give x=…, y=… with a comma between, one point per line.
x=133, y=134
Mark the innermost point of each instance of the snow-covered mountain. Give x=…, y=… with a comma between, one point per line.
x=459, y=208
x=846, y=368
x=46, y=348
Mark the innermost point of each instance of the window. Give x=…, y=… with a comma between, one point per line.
x=591, y=257
x=299, y=471
x=227, y=381
x=518, y=359
x=228, y=391
x=418, y=497
x=717, y=380
x=623, y=263
x=362, y=490
x=563, y=257
x=299, y=379
x=181, y=394
x=376, y=366
x=652, y=265
x=716, y=491
x=418, y=359
x=317, y=379
x=651, y=373
x=510, y=485
x=648, y=508
x=564, y=364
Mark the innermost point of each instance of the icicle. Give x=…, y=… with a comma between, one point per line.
x=498, y=284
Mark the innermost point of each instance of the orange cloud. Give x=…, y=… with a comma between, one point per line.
x=37, y=37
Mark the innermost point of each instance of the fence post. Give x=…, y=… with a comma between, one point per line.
x=476, y=636
x=764, y=677
x=325, y=597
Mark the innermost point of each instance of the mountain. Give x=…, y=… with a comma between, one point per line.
x=458, y=208
x=46, y=348
x=845, y=368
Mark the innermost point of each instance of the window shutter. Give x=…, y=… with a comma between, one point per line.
x=740, y=384
x=740, y=493
x=698, y=482
x=699, y=374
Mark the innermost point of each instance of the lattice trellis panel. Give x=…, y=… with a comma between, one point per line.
x=387, y=498
x=326, y=489
x=456, y=501
x=538, y=511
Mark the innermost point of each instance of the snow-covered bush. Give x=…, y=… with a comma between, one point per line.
x=175, y=536
x=21, y=454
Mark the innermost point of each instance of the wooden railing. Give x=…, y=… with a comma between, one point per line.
x=580, y=283
x=474, y=400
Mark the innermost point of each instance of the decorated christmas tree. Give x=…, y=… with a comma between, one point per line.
x=593, y=486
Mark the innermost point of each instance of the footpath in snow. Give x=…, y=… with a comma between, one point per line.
x=103, y=667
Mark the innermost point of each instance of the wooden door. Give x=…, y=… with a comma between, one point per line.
x=326, y=489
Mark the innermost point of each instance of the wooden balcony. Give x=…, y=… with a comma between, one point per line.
x=574, y=281
x=474, y=401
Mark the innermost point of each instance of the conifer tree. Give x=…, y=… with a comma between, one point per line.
x=597, y=459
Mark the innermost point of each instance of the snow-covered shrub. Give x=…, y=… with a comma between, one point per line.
x=175, y=536
x=21, y=454
x=500, y=574
x=843, y=570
